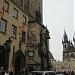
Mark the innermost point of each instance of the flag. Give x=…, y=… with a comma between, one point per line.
x=2, y=11
x=23, y=27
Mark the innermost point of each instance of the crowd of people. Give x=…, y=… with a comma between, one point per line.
x=3, y=72
x=69, y=73
x=6, y=72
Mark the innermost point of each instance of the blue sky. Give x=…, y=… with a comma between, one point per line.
x=58, y=15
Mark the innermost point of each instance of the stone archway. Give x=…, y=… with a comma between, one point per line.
x=18, y=62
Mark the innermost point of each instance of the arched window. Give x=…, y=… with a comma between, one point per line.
x=72, y=55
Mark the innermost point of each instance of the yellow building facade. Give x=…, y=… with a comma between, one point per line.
x=24, y=40
x=14, y=24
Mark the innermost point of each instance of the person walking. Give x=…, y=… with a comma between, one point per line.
x=72, y=73
x=2, y=72
x=6, y=73
x=65, y=73
x=11, y=73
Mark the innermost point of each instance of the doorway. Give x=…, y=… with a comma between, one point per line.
x=17, y=64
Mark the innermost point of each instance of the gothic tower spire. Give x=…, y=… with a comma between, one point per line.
x=65, y=37
x=65, y=41
x=74, y=39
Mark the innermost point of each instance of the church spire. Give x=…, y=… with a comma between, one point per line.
x=65, y=37
x=74, y=39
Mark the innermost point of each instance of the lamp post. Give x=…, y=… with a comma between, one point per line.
x=1, y=55
x=8, y=43
x=7, y=48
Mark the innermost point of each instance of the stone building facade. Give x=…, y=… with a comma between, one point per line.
x=24, y=40
x=38, y=42
x=68, y=47
x=35, y=10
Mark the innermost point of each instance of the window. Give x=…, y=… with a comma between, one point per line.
x=15, y=13
x=23, y=36
x=72, y=55
x=31, y=53
x=14, y=31
x=3, y=25
x=6, y=6
x=24, y=19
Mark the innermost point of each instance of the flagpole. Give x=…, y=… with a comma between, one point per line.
x=2, y=11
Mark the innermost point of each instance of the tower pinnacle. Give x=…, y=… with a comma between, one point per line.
x=65, y=37
x=74, y=39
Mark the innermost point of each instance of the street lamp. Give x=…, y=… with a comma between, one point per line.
x=1, y=55
x=7, y=48
x=8, y=43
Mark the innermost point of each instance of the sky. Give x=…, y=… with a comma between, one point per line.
x=58, y=15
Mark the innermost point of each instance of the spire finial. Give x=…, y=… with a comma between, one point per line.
x=65, y=37
x=64, y=31
x=74, y=37
x=46, y=25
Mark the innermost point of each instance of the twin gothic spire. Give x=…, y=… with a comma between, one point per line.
x=66, y=40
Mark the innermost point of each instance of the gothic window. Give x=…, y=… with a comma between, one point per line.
x=72, y=55
x=3, y=26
